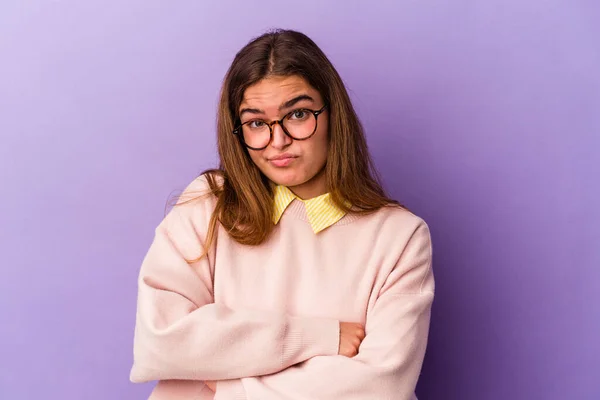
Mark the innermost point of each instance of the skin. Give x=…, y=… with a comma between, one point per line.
x=305, y=174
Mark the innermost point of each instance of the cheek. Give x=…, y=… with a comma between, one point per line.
x=256, y=157
x=323, y=144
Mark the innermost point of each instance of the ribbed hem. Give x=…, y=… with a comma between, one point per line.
x=309, y=337
x=231, y=390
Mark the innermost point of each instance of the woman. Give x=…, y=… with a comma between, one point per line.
x=260, y=280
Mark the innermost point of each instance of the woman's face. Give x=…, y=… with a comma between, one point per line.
x=298, y=164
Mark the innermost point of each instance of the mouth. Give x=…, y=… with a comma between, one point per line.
x=283, y=160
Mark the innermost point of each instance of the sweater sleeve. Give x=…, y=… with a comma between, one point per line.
x=181, y=333
x=390, y=357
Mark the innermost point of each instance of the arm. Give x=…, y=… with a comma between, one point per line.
x=390, y=357
x=181, y=333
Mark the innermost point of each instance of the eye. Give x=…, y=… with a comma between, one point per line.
x=257, y=123
x=299, y=114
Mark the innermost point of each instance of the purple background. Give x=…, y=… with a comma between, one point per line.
x=483, y=117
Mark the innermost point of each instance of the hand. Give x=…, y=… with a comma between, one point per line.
x=351, y=336
x=212, y=385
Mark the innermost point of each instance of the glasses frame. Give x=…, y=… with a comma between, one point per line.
x=238, y=131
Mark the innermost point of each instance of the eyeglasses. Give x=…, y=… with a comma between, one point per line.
x=299, y=124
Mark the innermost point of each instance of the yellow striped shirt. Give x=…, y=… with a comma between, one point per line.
x=321, y=211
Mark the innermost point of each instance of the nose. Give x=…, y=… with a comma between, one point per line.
x=280, y=139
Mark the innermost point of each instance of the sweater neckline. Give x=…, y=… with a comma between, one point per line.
x=296, y=209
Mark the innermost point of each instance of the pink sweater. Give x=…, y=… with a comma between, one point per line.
x=264, y=321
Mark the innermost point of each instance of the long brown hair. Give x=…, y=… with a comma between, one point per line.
x=245, y=204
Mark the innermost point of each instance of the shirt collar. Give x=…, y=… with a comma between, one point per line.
x=321, y=211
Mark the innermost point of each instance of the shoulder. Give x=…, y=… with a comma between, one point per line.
x=197, y=201
x=398, y=218
x=203, y=191
x=394, y=226
x=400, y=228
x=206, y=185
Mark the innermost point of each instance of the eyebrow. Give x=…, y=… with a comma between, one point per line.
x=287, y=104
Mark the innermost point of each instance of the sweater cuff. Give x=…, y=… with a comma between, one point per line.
x=310, y=337
x=232, y=389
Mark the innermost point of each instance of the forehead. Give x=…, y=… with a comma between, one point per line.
x=273, y=91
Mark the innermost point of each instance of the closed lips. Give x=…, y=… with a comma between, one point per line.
x=282, y=157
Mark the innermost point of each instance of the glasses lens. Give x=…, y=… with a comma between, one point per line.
x=256, y=134
x=300, y=124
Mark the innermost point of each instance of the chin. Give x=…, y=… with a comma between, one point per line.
x=285, y=178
